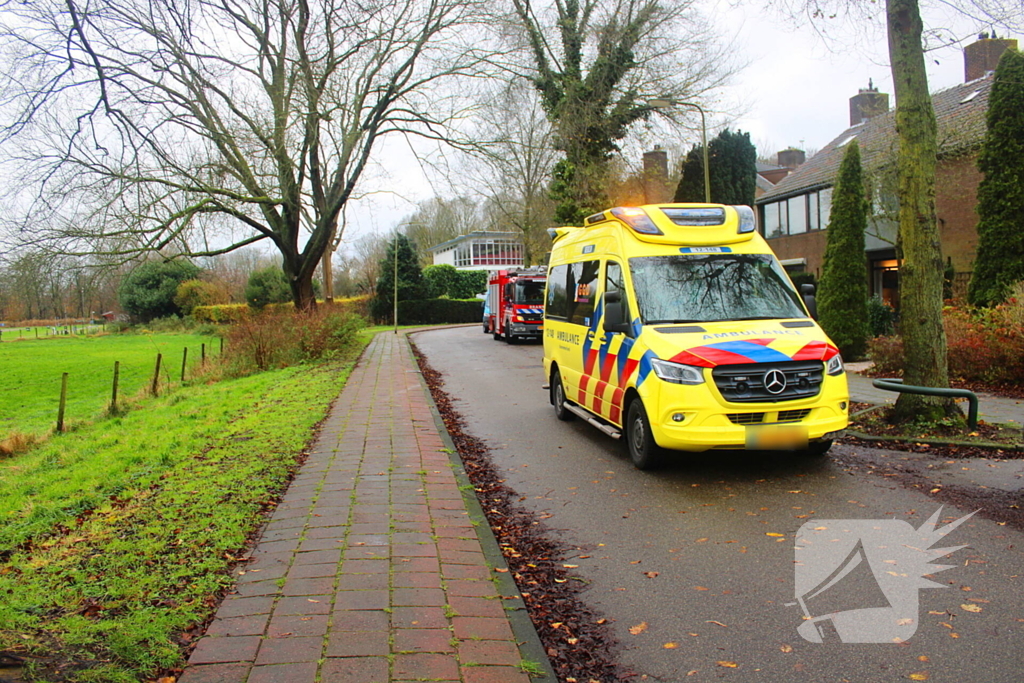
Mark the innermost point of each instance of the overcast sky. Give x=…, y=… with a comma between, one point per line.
x=795, y=92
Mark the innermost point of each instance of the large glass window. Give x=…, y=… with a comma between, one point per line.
x=797, y=207
x=582, y=290
x=825, y=208
x=613, y=282
x=710, y=288
x=813, y=221
x=772, y=221
x=529, y=292
x=557, y=304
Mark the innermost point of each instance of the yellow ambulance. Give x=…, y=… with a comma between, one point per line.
x=675, y=326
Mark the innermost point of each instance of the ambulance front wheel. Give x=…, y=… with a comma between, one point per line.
x=643, y=450
x=558, y=398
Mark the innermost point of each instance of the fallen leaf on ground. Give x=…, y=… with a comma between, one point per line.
x=919, y=676
x=971, y=608
x=638, y=629
x=728, y=665
x=786, y=648
x=670, y=646
x=772, y=533
x=650, y=575
x=712, y=621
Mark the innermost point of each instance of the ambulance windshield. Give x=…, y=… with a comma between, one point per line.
x=702, y=288
x=529, y=292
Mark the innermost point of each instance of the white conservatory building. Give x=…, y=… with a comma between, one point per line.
x=481, y=250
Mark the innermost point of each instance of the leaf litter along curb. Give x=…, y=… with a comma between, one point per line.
x=579, y=643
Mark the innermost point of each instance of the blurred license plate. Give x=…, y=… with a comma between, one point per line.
x=776, y=437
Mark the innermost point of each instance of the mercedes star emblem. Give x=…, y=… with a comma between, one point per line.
x=775, y=381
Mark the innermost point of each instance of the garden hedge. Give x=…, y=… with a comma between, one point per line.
x=440, y=311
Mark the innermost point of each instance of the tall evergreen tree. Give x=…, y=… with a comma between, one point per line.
x=732, y=159
x=410, y=277
x=843, y=296
x=1000, y=260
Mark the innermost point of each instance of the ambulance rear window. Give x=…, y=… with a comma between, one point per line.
x=696, y=216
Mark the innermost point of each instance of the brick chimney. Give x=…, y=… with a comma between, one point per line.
x=656, y=184
x=982, y=56
x=792, y=157
x=866, y=103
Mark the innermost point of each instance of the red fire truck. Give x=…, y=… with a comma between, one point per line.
x=515, y=303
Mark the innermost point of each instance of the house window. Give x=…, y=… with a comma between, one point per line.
x=813, y=221
x=773, y=224
x=797, y=214
x=825, y=207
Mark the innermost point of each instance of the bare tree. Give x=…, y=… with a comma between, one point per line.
x=512, y=166
x=596, y=63
x=201, y=126
x=438, y=220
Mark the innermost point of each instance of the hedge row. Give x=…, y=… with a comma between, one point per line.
x=232, y=313
x=440, y=311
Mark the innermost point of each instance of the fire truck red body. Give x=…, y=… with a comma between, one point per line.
x=515, y=303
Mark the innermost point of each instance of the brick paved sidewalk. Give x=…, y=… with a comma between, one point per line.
x=371, y=569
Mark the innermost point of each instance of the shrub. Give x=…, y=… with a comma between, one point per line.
x=278, y=337
x=148, y=291
x=223, y=313
x=887, y=354
x=881, y=317
x=267, y=286
x=192, y=293
x=440, y=311
x=324, y=333
x=983, y=345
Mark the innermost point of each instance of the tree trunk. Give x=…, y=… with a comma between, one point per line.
x=924, y=339
x=325, y=266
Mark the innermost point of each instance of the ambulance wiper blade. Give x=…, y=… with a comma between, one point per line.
x=759, y=317
x=671, y=322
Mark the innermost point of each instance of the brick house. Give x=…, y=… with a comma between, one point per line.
x=794, y=213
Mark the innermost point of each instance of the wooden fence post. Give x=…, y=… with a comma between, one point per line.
x=63, y=402
x=202, y=353
x=156, y=375
x=113, y=393
x=184, y=358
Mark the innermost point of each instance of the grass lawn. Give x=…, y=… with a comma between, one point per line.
x=117, y=538
x=30, y=374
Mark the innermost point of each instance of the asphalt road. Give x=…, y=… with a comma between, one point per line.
x=694, y=563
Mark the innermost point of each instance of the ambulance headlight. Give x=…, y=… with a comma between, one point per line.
x=677, y=373
x=834, y=365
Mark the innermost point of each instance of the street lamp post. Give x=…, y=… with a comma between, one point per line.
x=395, y=301
x=664, y=102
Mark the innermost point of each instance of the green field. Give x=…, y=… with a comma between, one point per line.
x=30, y=374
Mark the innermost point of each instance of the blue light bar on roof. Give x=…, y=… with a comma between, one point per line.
x=711, y=215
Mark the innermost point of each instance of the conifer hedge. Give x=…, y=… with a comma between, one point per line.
x=1000, y=260
x=843, y=288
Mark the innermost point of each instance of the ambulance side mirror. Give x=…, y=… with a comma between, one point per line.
x=807, y=292
x=614, y=314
